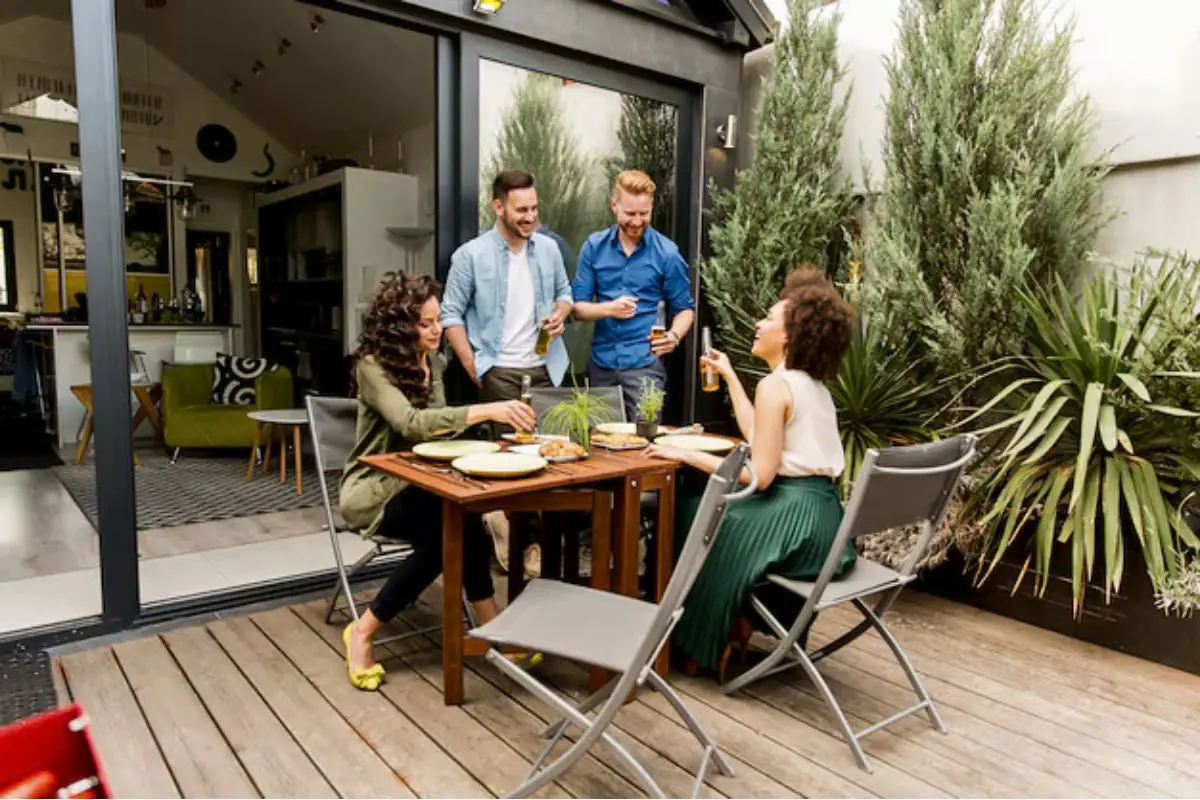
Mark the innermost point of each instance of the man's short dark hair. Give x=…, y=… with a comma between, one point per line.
x=510, y=180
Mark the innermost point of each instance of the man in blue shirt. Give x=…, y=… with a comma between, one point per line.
x=624, y=273
x=505, y=287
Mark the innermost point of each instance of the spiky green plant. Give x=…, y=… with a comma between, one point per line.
x=1087, y=448
x=991, y=182
x=790, y=203
x=577, y=416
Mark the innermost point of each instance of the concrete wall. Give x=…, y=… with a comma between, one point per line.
x=1146, y=105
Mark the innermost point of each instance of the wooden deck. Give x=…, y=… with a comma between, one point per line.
x=260, y=705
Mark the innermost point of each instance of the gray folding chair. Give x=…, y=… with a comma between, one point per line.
x=895, y=487
x=546, y=397
x=332, y=422
x=617, y=633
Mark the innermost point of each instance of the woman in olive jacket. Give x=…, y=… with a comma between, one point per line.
x=402, y=401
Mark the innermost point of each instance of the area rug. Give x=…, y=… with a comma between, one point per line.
x=197, y=488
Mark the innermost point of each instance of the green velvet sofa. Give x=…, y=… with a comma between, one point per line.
x=192, y=420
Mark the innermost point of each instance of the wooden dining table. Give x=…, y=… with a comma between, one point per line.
x=620, y=475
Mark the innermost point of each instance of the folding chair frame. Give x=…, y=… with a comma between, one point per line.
x=612, y=696
x=789, y=653
x=382, y=546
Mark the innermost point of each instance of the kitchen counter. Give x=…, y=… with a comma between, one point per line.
x=65, y=361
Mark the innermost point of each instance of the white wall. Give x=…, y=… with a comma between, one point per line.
x=1139, y=64
x=47, y=41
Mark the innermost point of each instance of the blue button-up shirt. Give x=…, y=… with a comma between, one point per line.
x=654, y=272
x=477, y=293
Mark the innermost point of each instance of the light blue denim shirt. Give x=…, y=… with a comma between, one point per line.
x=477, y=293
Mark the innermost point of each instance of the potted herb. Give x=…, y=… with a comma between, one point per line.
x=576, y=417
x=650, y=404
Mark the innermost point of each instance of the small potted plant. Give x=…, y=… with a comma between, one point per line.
x=576, y=417
x=649, y=406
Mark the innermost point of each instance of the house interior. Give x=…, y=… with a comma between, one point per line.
x=279, y=161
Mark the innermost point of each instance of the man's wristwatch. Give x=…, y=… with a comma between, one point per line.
x=674, y=337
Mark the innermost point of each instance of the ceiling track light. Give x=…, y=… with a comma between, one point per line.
x=316, y=23
x=235, y=87
x=258, y=68
x=284, y=46
x=489, y=7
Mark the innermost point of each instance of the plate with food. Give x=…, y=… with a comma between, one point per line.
x=450, y=450
x=527, y=437
x=499, y=465
x=623, y=428
x=704, y=444
x=619, y=441
x=558, y=451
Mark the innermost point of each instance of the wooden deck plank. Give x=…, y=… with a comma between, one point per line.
x=1091, y=667
x=272, y=758
x=666, y=735
x=1058, y=680
x=955, y=765
x=426, y=769
x=1138, y=772
x=198, y=755
x=829, y=751
x=487, y=757
x=135, y=765
x=1055, y=773
x=62, y=693
x=346, y=761
x=509, y=705
x=1134, y=749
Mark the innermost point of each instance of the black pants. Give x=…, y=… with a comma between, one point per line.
x=415, y=516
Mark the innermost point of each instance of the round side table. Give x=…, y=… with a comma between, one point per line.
x=280, y=419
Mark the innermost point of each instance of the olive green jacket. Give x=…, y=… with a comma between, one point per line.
x=389, y=423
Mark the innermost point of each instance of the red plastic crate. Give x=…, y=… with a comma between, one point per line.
x=59, y=742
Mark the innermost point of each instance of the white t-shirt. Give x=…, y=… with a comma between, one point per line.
x=518, y=334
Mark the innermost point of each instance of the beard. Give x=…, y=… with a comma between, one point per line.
x=514, y=226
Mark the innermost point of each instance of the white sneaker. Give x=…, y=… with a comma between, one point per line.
x=533, y=562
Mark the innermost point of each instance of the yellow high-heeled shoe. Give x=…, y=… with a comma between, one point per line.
x=366, y=679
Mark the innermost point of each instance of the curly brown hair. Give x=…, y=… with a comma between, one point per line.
x=390, y=332
x=818, y=320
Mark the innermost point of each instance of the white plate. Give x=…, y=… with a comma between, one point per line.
x=622, y=427
x=704, y=444
x=499, y=465
x=532, y=450
x=541, y=437
x=448, y=451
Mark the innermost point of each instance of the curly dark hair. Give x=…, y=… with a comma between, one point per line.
x=390, y=332
x=818, y=320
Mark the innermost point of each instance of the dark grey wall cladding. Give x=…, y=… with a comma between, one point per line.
x=594, y=27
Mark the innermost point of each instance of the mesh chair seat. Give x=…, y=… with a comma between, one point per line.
x=865, y=577
x=618, y=633
x=599, y=629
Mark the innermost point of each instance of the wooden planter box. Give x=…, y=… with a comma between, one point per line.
x=1130, y=622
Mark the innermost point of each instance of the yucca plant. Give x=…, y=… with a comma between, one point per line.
x=1086, y=455
x=879, y=400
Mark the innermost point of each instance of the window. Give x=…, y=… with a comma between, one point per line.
x=8, y=268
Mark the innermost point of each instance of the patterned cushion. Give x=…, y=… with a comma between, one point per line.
x=234, y=379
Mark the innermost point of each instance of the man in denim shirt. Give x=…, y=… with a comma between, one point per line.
x=624, y=273
x=504, y=287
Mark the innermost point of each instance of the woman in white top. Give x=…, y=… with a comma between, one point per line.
x=791, y=424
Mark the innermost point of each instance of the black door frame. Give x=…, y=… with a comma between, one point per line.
x=474, y=48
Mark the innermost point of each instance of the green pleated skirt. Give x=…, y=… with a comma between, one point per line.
x=787, y=530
